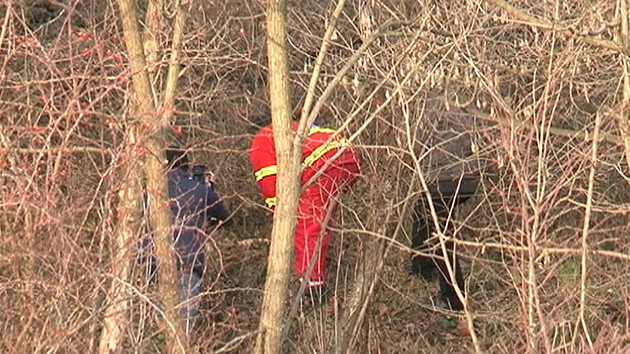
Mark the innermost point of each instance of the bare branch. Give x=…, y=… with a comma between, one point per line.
x=543, y=23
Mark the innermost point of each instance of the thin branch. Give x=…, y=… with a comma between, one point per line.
x=585, y=229
x=232, y=344
x=295, y=304
x=181, y=13
x=344, y=70
x=442, y=237
x=54, y=150
x=568, y=133
x=543, y=23
x=5, y=22
x=310, y=94
x=624, y=119
x=484, y=246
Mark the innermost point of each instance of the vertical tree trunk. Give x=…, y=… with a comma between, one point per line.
x=364, y=283
x=153, y=147
x=372, y=260
x=116, y=312
x=624, y=115
x=288, y=159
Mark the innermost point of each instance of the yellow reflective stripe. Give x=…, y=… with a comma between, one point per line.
x=266, y=171
x=323, y=149
x=315, y=130
x=271, y=202
x=308, y=161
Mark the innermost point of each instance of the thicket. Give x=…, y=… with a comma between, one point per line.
x=544, y=243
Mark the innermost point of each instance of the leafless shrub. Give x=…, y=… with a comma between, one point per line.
x=537, y=91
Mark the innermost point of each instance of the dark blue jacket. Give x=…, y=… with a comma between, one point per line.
x=193, y=206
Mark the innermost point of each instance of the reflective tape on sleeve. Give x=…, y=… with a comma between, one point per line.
x=271, y=202
x=265, y=172
x=316, y=129
x=323, y=149
x=313, y=283
x=308, y=161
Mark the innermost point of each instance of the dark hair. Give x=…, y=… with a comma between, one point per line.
x=177, y=158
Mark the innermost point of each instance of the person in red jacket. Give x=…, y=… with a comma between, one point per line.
x=322, y=149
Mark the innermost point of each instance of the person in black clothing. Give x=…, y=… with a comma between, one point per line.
x=445, y=196
x=451, y=165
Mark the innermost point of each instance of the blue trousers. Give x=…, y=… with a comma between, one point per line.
x=189, y=290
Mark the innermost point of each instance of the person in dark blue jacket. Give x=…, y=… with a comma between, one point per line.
x=195, y=207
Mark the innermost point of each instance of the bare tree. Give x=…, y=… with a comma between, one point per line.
x=544, y=244
x=624, y=115
x=288, y=153
x=151, y=142
x=126, y=233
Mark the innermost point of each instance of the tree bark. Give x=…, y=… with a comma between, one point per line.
x=363, y=286
x=288, y=151
x=152, y=145
x=624, y=115
x=372, y=260
x=116, y=312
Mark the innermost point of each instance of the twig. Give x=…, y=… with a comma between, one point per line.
x=231, y=345
x=442, y=237
x=362, y=106
x=67, y=149
x=624, y=123
x=499, y=246
x=170, y=89
x=310, y=94
x=342, y=73
x=564, y=132
x=5, y=22
x=543, y=23
x=295, y=304
x=585, y=229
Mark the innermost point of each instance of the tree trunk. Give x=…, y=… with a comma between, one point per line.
x=116, y=312
x=372, y=260
x=152, y=145
x=363, y=285
x=288, y=153
x=624, y=115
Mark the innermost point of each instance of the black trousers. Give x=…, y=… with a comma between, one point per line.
x=446, y=196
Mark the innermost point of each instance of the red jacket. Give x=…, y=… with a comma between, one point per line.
x=317, y=149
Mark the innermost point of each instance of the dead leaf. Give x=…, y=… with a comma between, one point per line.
x=462, y=329
x=383, y=310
